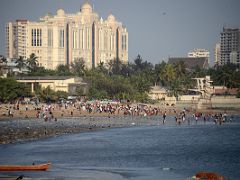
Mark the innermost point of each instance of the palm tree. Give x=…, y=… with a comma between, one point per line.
x=21, y=63
x=158, y=72
x=168, y=74
x=78, y=67
x=2, y=59
x=102, y=68
x=32, y=62
x=3, y=63
x=180, y=69
x=63, y=70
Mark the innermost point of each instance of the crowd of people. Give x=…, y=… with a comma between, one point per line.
x=53, y=111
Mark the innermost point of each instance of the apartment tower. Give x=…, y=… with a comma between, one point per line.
x=229, y=46
x=62, y=38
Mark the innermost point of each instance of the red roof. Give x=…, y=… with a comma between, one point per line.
x=232, y=91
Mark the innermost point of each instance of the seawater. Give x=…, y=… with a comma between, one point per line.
x=170, y=152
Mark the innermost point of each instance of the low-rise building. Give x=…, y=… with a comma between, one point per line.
x=56, y=83
x=9, y=67
x=157, y=93
x=200, y=53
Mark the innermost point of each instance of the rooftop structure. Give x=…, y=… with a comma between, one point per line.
x=200, y=53
x=157, y=93
x=191, y=62
x=56, y=83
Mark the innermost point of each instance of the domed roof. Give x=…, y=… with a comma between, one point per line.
x=111, y=18
x=60, y=12
x=86, y=8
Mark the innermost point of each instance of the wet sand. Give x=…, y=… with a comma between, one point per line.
x=25, y=126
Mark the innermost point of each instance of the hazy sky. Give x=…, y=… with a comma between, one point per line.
x=157, y=28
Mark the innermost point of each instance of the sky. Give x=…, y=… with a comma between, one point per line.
x=158, y=29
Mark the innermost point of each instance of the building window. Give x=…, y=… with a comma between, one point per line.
x=111, y=42
x=75, y=39
x=124, y=42
x=61, y=38
x=82, y=38
x=101, y=39
x=36, y=37
x=50, y=37
x=88, y=37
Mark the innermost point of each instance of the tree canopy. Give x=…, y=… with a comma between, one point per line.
x=10, y=90
x=117, y=80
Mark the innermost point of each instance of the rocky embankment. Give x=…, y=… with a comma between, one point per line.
x=14, y=130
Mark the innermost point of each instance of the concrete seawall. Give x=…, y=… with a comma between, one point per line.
x=215, y=102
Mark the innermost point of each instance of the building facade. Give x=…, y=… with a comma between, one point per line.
x=56, y=83
x=229, y=46
x=217, y=54
x=200, y=53
x=63, y=38
x=16, y=39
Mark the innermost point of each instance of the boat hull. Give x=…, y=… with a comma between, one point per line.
x=40, y=167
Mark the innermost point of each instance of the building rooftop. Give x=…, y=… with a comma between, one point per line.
x=157, y=88
x=43, y=77
x=190, y=62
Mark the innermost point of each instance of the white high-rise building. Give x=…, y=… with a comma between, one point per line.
x=200, y=53
x=62, y=38
x=229, y=46
x=217, y=54
x=16, y=39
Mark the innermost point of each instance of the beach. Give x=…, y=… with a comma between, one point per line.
x=141, y=152
x=29, y=123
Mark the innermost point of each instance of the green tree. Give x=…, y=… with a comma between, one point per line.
x=227, y=75
x=3, y=63
x=180, y=69
x=158, y=71
x=63, y=70
x=78, y=67
x=10, y=90
x=141, y=82
x=199, y=72
x=141, y=65
x=168, y=74
x=21, y=63
x=46, y=94
x=101, y=68
x=61, y=94
x=32, y=62
x=115, y=66
x=41, y=71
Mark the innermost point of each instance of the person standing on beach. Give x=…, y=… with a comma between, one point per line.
x=196, y=117
x=164, y=117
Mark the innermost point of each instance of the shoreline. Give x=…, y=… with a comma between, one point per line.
x=13, y=131
x=24, y=125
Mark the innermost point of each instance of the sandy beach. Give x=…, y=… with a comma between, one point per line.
x=28, y=123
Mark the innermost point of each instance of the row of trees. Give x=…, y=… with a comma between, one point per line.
x=10, y=90
x=134, y=80
x=30, y=63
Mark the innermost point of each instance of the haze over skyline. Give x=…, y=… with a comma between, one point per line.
x=157, y=29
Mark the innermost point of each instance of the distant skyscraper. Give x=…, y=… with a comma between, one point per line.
x=230, y=46
x=217, y=54
x=16, y=39
x=200, y=53
x=62, y=38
